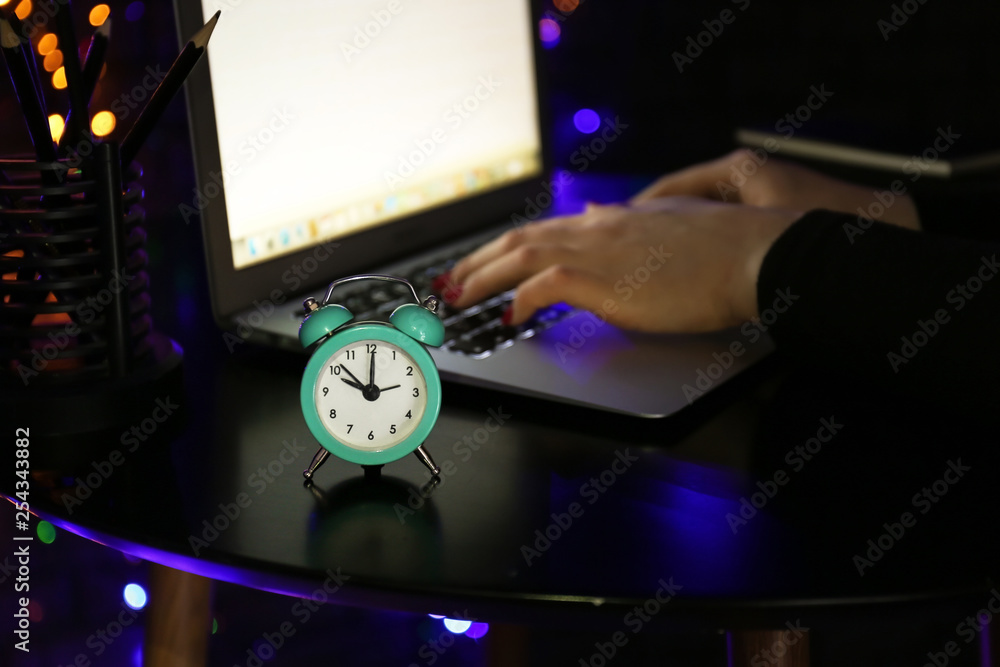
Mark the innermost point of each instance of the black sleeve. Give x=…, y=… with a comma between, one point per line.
x=915, y=312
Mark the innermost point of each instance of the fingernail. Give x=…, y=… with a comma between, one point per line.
x=441, y=281
x=451, y=294
x=507, y=316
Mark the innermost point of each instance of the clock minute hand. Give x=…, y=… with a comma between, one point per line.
x=371, y=371
x=352, y=383
x=388, y=388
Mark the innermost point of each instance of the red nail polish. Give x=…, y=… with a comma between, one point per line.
x=441, y=281
x=451, y=294
x=507, y=316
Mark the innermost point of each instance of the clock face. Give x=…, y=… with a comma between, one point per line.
x=370, y=394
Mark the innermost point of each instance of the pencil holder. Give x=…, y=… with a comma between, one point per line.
x=78, y=349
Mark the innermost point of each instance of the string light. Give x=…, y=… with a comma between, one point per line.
x=103, y=123
x=99, y=14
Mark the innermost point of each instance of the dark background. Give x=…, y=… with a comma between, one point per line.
x=617, y=57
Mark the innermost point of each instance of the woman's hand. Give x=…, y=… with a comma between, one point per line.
x=678, y=264
x=775, y=184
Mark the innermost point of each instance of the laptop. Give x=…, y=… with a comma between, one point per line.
x=339, y=137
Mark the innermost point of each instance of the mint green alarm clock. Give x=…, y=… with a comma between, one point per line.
x=370, y=392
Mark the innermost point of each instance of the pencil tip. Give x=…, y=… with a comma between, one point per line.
x=104, y=30
x=201, y=37
x=8, y=39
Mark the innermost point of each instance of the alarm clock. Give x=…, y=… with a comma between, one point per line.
x=370, y=392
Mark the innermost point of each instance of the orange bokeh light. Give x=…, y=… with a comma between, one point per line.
x=59, y=78
x=103, y=123
x=99, y=14
x=47, y=44
x=23, y=9
x=566, y=6
x=56, y=126
x=53, y=61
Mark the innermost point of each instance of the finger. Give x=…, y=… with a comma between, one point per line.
x=510, y=269
x=700, y=180
x=560, y=283
x=554, y=230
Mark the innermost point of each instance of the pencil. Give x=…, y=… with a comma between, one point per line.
x=91, y=69
x=29, y=56
x=79, y=128
x=31, y=107
x=165, y=91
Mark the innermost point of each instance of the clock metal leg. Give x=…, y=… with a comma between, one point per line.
x=426, y=459
x=316, y=462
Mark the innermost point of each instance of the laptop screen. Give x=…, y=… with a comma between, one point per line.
x=339, y=116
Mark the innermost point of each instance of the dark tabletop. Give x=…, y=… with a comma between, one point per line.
x=560, y=513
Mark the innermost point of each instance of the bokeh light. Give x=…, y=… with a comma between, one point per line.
x=53, y=60
x=436, y=615
x=102, y=123
x=46, y=531
x=135, y=10
x=47, y=44
x=477, y=630
x=215, y=625
x=23, y=9
x=59, y=78
x=456, y=626
x=99, y=14
x=135, y=596
x=549, y=32
x=586, y=121
x=566, y=6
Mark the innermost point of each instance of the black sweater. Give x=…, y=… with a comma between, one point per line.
x=915, y=312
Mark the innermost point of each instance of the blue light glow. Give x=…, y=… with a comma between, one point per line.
x=477, y=630
x=586, y=121
x=135, y=596
x=456, y=626
x=135, y=11
x=549, y=32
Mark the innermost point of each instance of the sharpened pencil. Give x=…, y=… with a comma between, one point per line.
x=165, y=91
x=91, y=69
x=31, y=107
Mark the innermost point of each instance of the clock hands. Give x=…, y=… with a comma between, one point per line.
x=370, y=391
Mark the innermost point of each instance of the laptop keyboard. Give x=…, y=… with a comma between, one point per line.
x=476, y=331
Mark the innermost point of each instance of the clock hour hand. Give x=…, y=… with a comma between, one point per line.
x=357, y=383
x=352, y=383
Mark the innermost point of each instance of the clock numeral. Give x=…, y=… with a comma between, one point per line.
x=333, y=414
x=349, y=427
x=408, y=415
x=416, y=392
x=326, y=390
x=409, y=370
x=371, y=435
x=392, y=429
x=334, y=370
x=370, y=347
x=350, y=354
x=394, y=355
